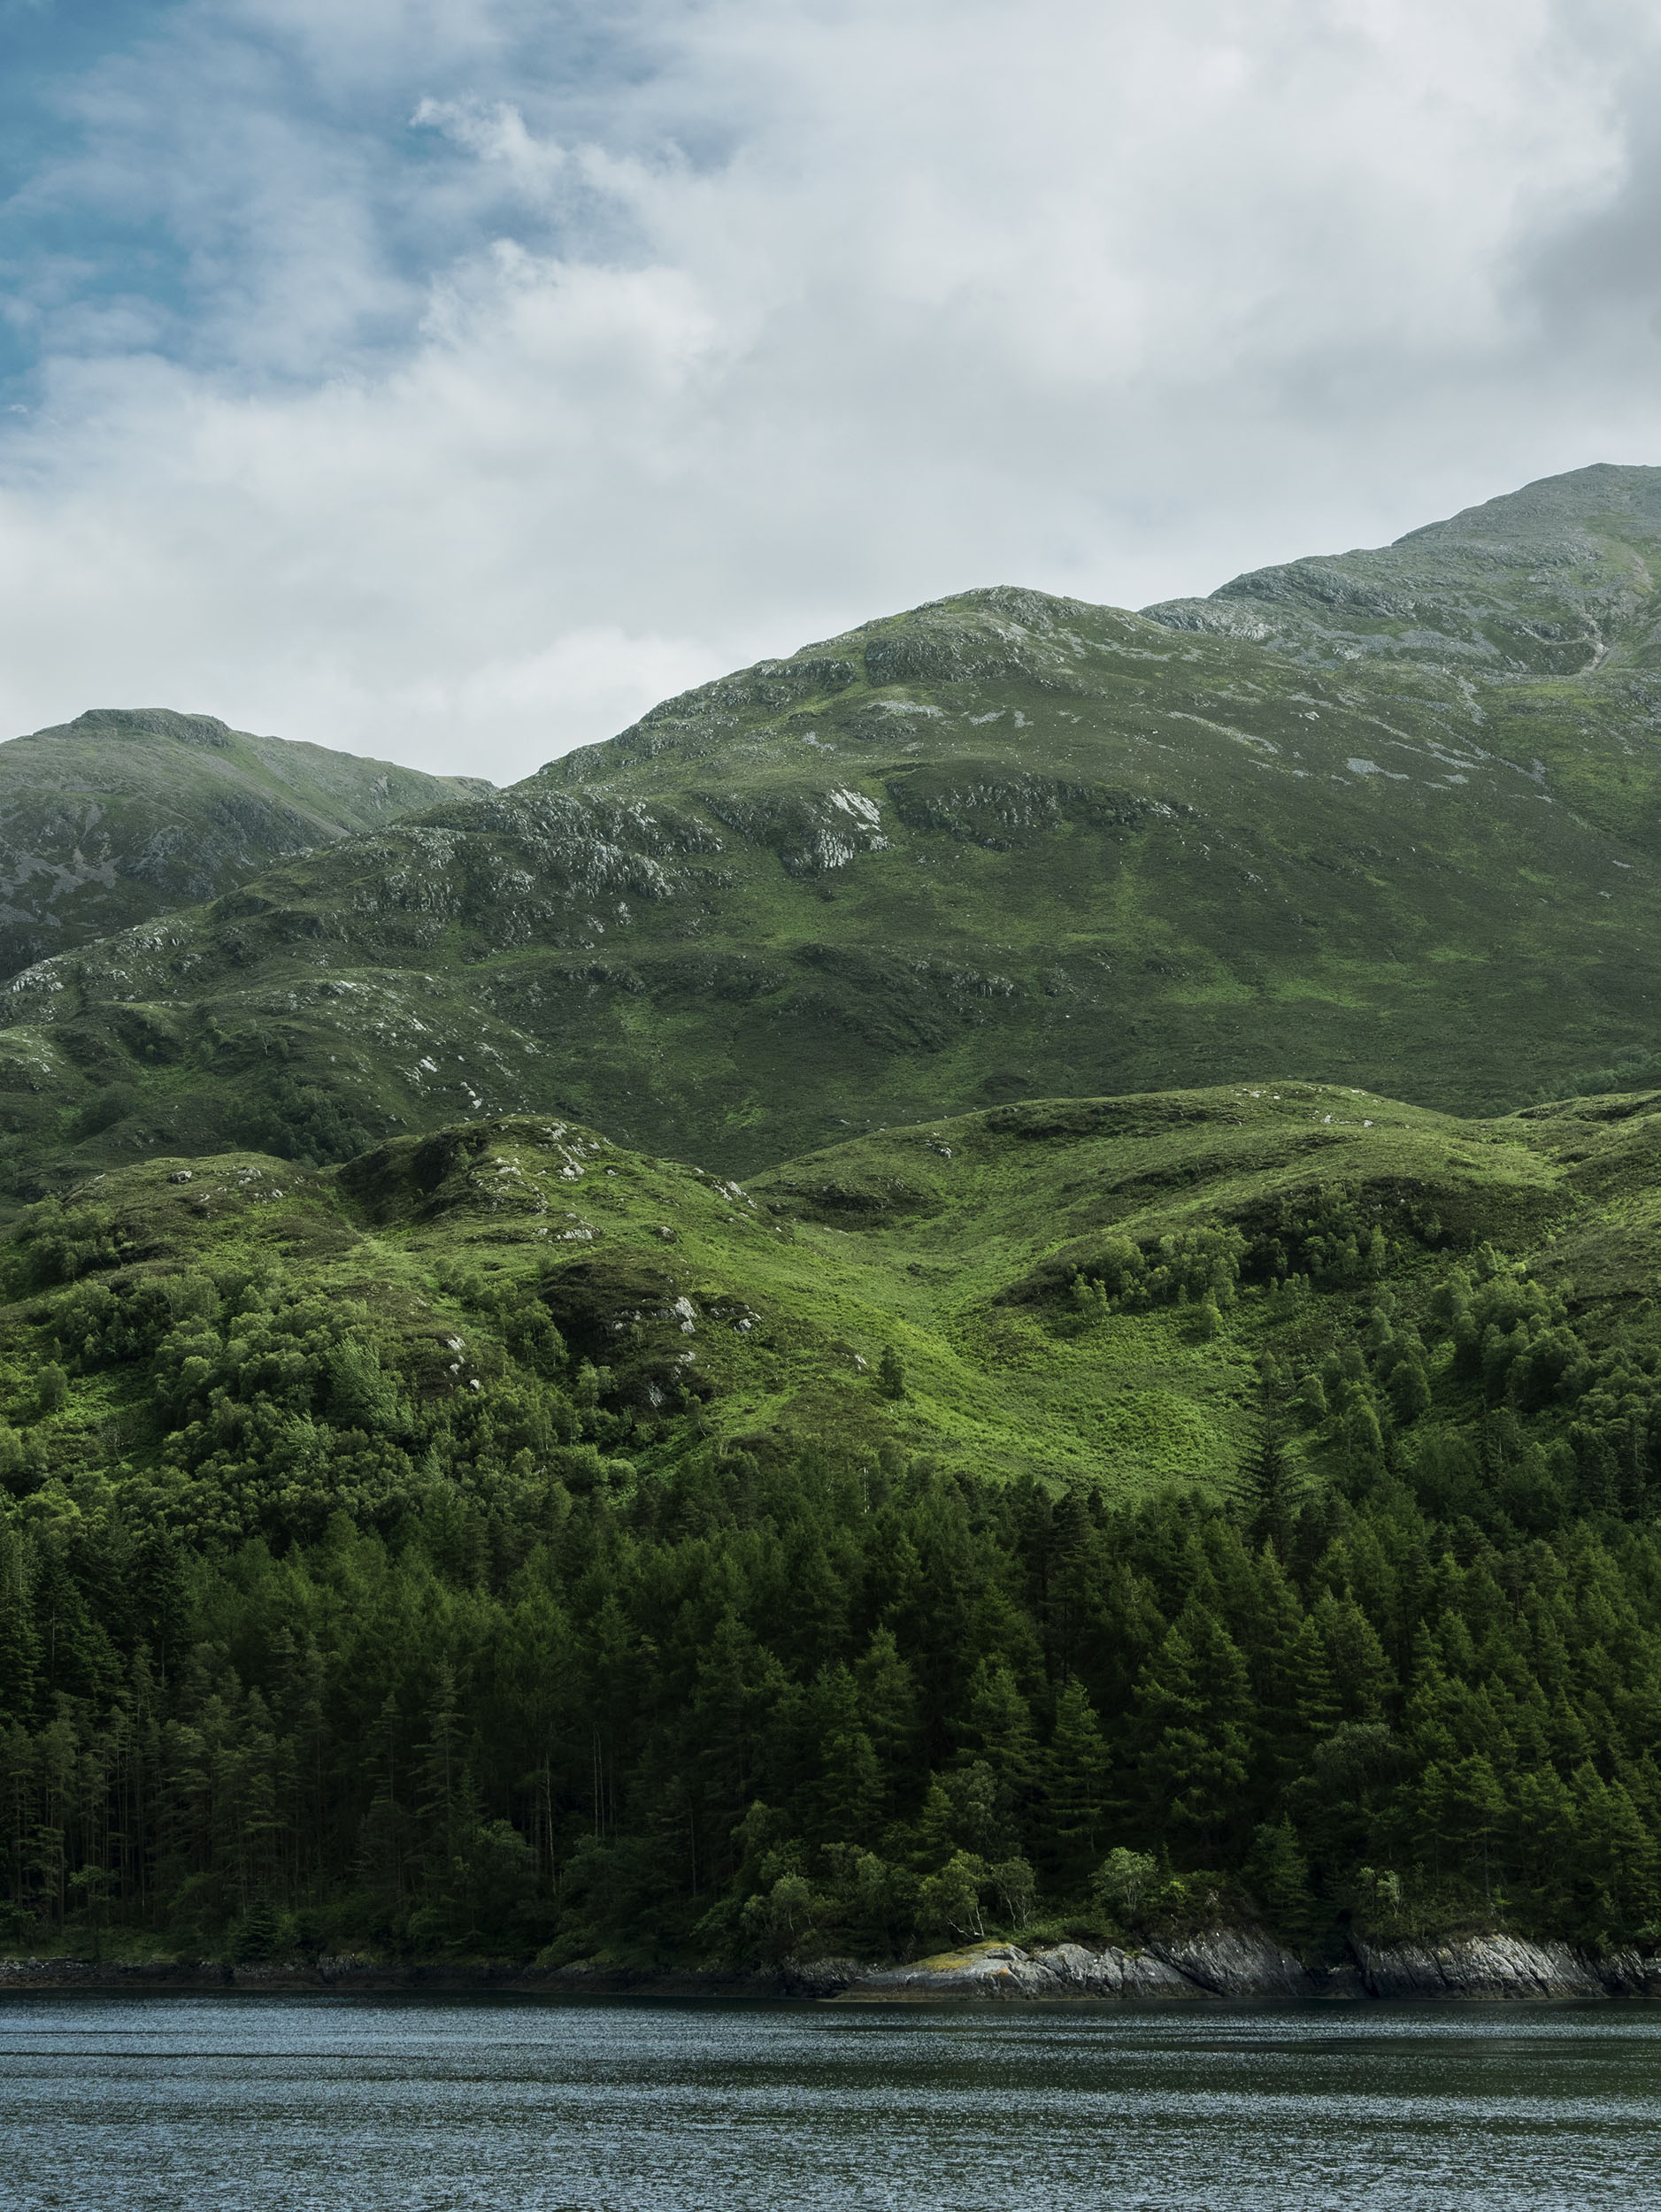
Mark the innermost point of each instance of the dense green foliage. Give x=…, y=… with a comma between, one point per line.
x=1005, y=846
x=743, y=1708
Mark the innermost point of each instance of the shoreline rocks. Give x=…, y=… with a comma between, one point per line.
x=1219, y=1965
x=1496, y=1967
x=1223, y=1963
x=1244, y=1964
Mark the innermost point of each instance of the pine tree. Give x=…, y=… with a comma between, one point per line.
x=887, y=1710
x=1000, y=1728
x=1192, y=1712
x=19, y=1638
x=1266, y=1478
x=1363, y=1678
x=438, y=1781
x=1619, y=1855
x=1266, y=1627
x=1276, y=1872
x=847, y=1799
x=1077, y=1771
x=729, y=1727
x=960, y=1813
x=257, y=1933
x=1465, y=1809
x=1314, y=1692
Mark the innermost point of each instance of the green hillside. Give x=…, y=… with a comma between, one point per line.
x=127, y=813
x=1001, y=845
x=1214, y=1225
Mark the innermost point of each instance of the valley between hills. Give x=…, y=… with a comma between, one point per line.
x=997, y=1279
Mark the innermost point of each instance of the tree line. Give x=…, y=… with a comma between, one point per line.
x=745, y=1705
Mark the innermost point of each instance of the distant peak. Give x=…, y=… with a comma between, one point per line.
x=1017, y=602
x=185, y=729
x=1556, y=578
x=1555, y=503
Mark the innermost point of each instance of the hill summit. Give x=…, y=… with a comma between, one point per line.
x=128, y=812
x=1553, y=579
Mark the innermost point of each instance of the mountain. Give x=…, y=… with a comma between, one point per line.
x=438, y=1518
x=126, y=813
x=1004, y=845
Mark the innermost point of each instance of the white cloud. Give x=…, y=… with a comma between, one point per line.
x=508, y=382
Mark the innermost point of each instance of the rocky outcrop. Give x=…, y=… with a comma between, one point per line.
x=1238, y=1963
x=1501, y=1966
x=1225, y=1962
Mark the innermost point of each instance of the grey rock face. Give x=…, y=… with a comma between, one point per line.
x=1238, y=1963
x=1501, y=1966
x=1227, y=1962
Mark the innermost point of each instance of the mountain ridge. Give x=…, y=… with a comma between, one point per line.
x=1002, y=844
x=1571, y=541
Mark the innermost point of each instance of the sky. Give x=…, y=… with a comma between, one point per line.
x=449, y=380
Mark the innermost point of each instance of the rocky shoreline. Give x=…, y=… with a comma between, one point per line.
x=1241, y=1965
x=1223, y=1965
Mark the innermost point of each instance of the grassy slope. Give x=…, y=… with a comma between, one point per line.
x=951, y=1242
x=121, y=815
x=1005, y=846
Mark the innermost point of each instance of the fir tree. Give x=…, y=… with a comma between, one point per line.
x=1276, y=1872
x=1194, y=1706
x=1078, y=1769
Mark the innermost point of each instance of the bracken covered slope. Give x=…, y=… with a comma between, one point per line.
x=1004, y=845
x=1224, y=1234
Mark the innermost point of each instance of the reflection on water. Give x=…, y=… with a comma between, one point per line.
x=289, y=2104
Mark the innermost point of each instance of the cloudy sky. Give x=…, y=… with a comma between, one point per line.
x=450, y=379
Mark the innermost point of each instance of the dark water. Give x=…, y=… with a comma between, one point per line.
x=292, y=2104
